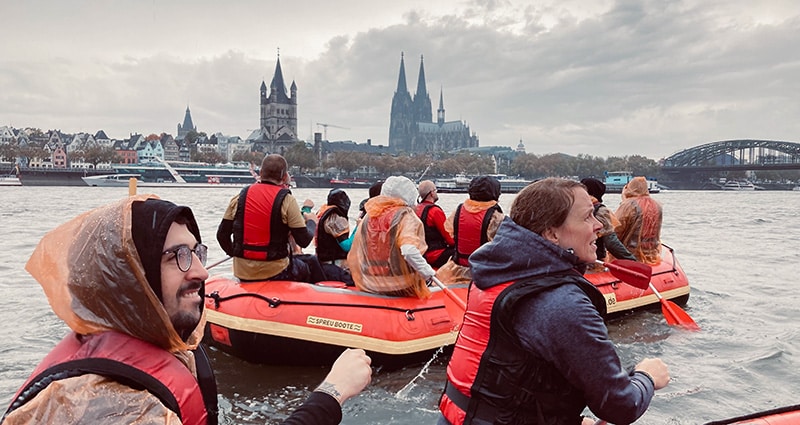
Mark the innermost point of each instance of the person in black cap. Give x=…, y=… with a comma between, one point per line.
x=607, y=240
x=334, y=238
x=128, y=279
x=472, y=224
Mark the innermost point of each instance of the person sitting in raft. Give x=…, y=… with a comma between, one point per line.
x=607, y=241
x=386, y=255
x=534, y=348
x=640, y=218
x=128, y=278
x=333, y=238
x=374, y=190
x=256, y=227
x=440, y=241
x=472, y=224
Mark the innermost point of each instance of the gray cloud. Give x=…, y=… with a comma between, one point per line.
x=631, y=77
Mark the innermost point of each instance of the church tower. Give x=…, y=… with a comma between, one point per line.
x=401, y=125
x=278, y=121
x=187, y=126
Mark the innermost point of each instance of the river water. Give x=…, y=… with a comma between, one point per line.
x=739, y=250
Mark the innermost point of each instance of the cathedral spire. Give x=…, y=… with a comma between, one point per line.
x=440, y=111
x=402, y=87
x=422, y=90
x=277, y=86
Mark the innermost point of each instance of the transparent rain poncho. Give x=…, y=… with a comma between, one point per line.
x=640, y=218
x=375, y=259
x=94, y=280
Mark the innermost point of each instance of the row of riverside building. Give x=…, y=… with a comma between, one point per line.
x=411, y=131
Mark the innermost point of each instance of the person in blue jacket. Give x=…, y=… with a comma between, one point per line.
x=534, y=348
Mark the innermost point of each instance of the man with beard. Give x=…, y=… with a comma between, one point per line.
x=128, y=279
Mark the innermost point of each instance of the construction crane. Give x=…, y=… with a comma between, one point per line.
x=325, y=129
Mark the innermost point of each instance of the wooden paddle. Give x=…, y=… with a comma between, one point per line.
x=455, y=305
x=218, y=263
x=638, y=274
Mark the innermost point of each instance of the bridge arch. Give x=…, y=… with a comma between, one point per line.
x=737, y=153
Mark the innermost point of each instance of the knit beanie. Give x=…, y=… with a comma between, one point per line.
x=339, y=199
x=595, y=188
x=484, y=188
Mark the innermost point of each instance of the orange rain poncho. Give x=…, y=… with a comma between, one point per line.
x=640, y=218
x=94, y=280
x=375, y=260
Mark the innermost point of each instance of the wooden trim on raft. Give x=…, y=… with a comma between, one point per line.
x=614, y=305
x=324, y=336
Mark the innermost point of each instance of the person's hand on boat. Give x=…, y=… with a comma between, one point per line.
x=349, y=375
x=656, y=370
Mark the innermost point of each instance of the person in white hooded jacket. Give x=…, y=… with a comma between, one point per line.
x=386, y=254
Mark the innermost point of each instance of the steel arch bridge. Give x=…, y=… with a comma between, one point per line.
x=732, y=155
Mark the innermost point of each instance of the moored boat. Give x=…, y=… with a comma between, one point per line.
x=10, y=180
x=294, y=323
x=615, y=181
x=456, y=184
x=789, y=415
x=738, y=185
x=350, y=183
x=174, y=175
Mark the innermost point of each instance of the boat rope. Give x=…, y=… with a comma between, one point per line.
x=276, y=302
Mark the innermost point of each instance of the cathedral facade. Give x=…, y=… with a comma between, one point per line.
x=412, y=128
x=278, y=122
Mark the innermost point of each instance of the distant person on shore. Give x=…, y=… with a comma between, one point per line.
x=607, y=241
x=440, y=241
x=534, y=348
x=256, y=227
x=128, y=279
x=472, y=224
x=334, y=238
x=640, y=219
x=374, y=191
x=386, y=255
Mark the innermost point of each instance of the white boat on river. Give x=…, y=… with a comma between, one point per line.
x=178, y=175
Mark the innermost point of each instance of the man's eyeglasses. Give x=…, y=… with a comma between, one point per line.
x=183, y=255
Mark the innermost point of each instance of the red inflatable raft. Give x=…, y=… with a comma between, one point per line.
x=789, y=415
x=294, y=323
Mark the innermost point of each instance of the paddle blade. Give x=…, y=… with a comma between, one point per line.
x=631, y=272
x=676, y=316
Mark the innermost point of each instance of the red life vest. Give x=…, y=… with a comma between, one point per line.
x=433, y=238
x=259, y=232
x=491, y=378
x=127, y=360
x=470, y=232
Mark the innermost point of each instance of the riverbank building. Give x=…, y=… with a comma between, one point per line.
x=412, y=129
x=278, y=116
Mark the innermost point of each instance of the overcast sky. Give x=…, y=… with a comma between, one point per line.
x=596, y=77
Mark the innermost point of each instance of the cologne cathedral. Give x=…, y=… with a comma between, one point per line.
x=412, y=128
